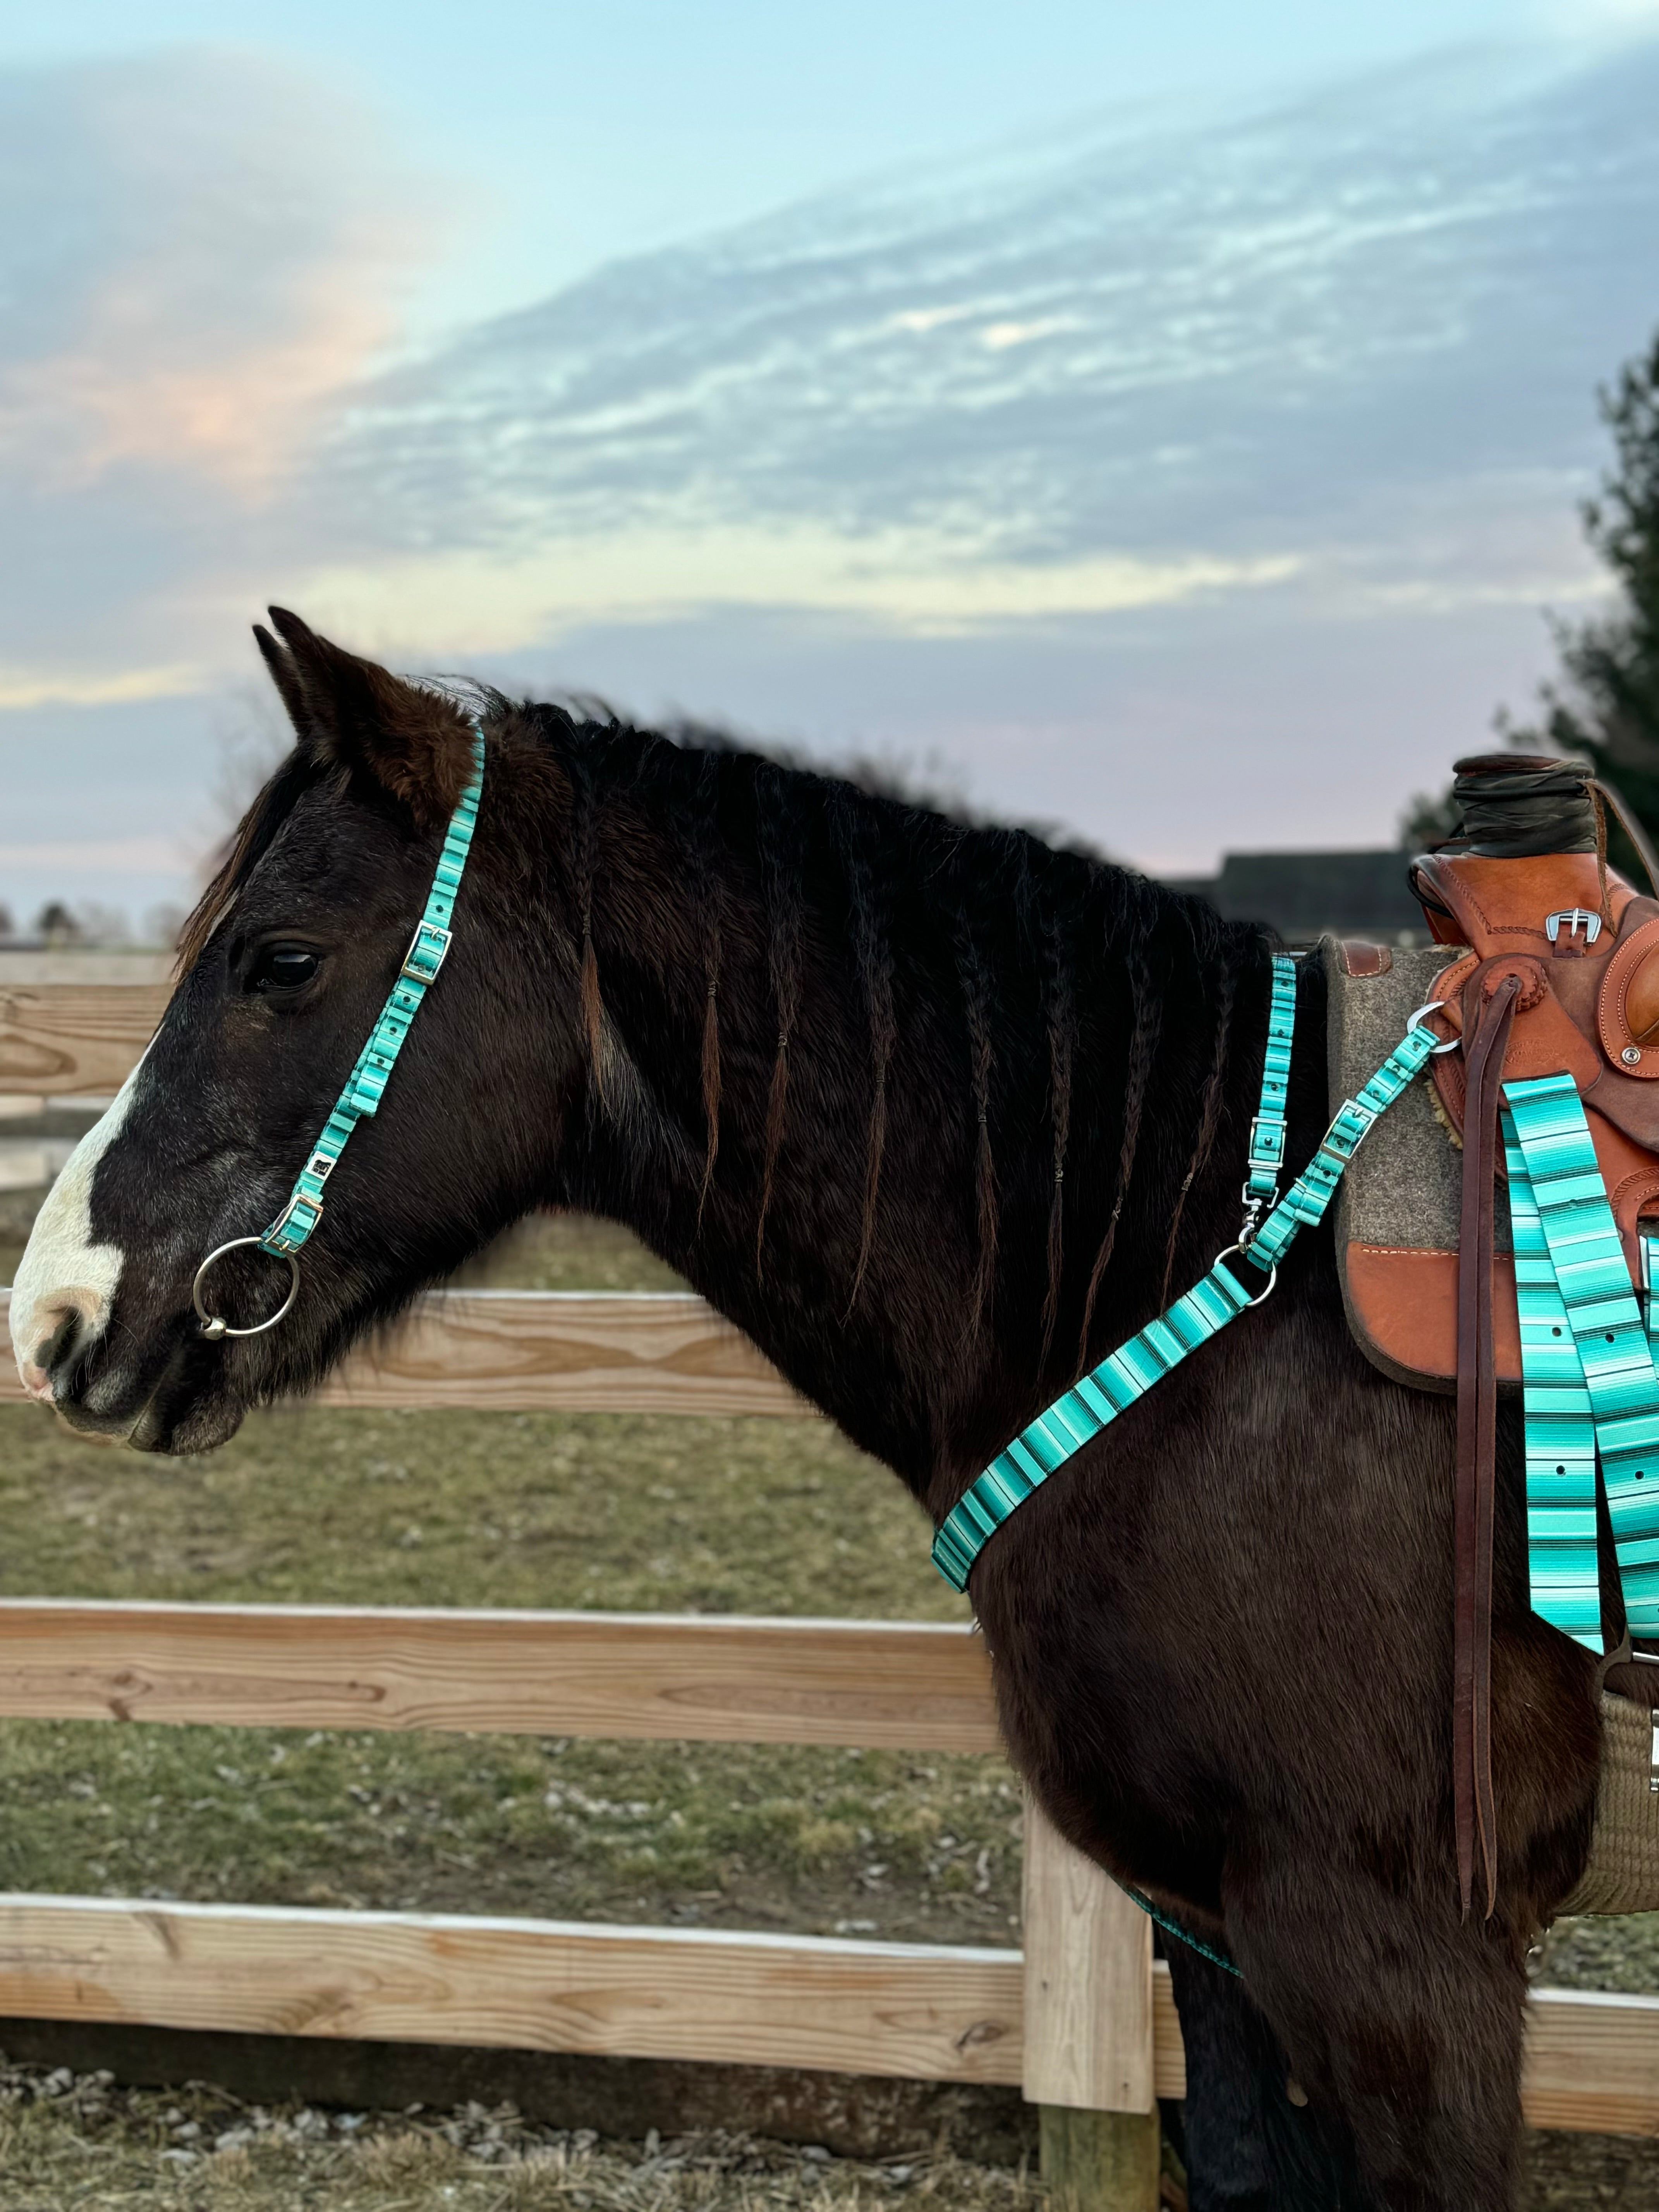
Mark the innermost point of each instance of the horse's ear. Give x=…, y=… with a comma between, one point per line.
x=414, y=742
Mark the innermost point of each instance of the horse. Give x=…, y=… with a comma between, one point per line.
x=937, y=1113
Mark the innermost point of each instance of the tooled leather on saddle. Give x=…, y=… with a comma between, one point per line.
x=1584, y=1008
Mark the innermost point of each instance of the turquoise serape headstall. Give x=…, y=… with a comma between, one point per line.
x=366, y=1086
x=1127, y=1374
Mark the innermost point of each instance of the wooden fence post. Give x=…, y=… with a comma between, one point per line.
x=1088, y=2030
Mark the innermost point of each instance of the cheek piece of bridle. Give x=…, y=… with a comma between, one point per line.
x=366, y=1086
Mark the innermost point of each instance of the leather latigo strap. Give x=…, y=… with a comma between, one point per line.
x=1477, y=1447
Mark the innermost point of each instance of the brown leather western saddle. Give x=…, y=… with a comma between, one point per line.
x=1560, y=975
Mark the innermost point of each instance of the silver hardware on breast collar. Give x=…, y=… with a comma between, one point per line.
x=1573, y=916
x=1273, y=1273
x=1417, y=1018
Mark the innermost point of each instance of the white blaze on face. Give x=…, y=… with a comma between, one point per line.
x=62, y=1271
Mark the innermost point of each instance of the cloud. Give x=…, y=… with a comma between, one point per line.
x=490, y=603
x=199, y=251
x=21, y=687
x=182, y=264
x=152, y=855
x=1351, y=338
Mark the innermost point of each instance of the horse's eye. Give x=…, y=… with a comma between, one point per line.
x=281, y=968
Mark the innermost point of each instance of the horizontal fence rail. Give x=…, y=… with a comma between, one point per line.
x=919, y=2011
x=551, y=1351
x=928, y=2012
x=874, y=1684
x=64, y=1039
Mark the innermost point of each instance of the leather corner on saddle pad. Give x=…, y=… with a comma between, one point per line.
x=1359, y=958
x=1398, y=1206
x=1401, y=1306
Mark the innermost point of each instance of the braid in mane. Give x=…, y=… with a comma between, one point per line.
x=1061, y=1013
x=705, y=842
x=855, y=821
x=1209, y=1118
x=976, y=994
x=583, y=823
x=1143, y=1050
x=778, y=840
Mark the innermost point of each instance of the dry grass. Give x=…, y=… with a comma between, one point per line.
x=81, y=2142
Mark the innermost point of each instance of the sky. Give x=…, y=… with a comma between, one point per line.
x=1166, y=424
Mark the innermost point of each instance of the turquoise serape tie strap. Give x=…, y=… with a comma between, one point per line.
x=368, y=1078
x=1584, y=1352
x=1125, y=1375
x=1267, y=1153
x=1561, y=1426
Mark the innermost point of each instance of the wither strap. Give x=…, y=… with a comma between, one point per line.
x=368, y=1078
x=1267, y=1155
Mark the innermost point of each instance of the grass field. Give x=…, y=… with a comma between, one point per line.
x=514, y=1510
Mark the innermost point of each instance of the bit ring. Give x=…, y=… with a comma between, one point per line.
x=213, y=1327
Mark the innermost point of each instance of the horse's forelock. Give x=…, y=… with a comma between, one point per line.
x=253, y=837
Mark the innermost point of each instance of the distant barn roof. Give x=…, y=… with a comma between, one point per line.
x=1303, y=894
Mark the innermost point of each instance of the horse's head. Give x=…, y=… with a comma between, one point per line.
x=285, y=968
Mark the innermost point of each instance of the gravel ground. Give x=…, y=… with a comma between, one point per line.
x=78, y=2143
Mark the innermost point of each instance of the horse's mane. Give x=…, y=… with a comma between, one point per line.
x=1014, y=907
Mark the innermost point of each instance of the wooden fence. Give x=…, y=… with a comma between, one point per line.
x=1080, y=2017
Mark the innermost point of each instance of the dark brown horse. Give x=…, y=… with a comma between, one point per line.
x=937, y=1115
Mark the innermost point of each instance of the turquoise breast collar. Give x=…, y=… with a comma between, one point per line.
x=1080, y=1413
x=366, y=1084
x=1589, y=1357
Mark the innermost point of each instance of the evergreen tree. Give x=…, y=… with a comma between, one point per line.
x=1604, y=705
x=1606, y=701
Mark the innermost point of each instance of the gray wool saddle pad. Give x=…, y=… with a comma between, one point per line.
x=1404, y=1185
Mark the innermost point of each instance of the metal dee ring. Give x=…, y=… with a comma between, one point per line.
x=1433, y=1007
x=1243, y=1251
x=212, y=1327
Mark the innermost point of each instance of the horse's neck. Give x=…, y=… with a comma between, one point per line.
x=874, y=1327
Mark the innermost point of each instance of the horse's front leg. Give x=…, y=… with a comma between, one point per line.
x=1248, y=2147
x=1402, y=2023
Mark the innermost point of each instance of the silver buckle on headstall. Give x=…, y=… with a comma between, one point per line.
x=427, y=936
x=275, y=1231
x=1573, y=916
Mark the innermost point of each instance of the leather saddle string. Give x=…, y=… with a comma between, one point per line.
x=1477, y=1452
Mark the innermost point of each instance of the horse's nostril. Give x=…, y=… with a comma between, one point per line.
x=65, y=1325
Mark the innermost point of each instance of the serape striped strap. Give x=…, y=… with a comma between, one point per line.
x=1127, y=1374
x=1588, y=1366
x=1266, y=1152
x=366, y=1083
